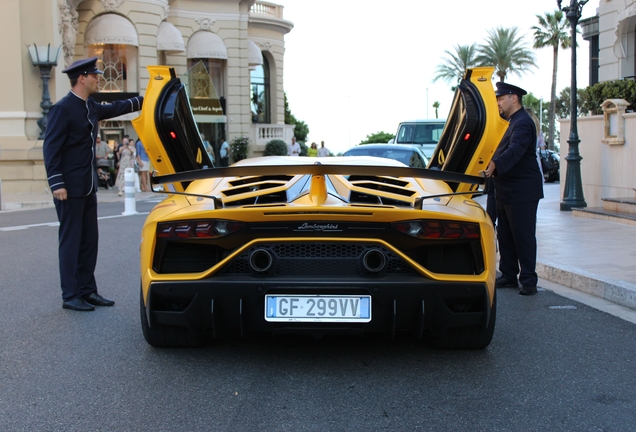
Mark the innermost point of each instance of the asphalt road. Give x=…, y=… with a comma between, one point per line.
x=553, y=364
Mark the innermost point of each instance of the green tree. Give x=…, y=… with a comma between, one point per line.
x=436, y=106
x=583, y=102
x=301, y=130
x=562, y=105
x=506, y=51
x=454, y=64
x=590, y=99
x=539, y=108
x=303, y=149
x=378, y=137
x=551, y=32
x=275, y=148
x=239, y=148
x=562, y=108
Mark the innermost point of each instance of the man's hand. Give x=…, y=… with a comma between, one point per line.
x=489, y=171
x=60, y=194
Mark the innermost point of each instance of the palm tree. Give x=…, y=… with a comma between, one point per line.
x=506, y=51
x=436, y=106
x=551, y=33
x=455, y=64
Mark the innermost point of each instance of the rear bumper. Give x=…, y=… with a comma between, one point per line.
x=400, y=304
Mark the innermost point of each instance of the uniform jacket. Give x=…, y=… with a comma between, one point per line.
x=517, y=177
x=69, y=142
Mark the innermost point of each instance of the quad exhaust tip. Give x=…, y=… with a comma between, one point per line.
x=261, y=260
x=374, y=261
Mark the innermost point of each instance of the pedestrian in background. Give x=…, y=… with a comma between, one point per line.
x=70, y=167
x=293, y=149
x=518, y=189
x=208, y=149
x=224, y=153
x=143, y=162
x=537, y=125
x=313, y=150
x=101, y=149
x=127, y=155
x=323, y=151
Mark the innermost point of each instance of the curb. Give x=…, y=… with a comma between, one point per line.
x=613, y=290
x=11, y=206
x=101, y=198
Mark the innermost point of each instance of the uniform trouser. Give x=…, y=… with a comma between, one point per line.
x=516, y=233
x=491, y=201
x=78, y=238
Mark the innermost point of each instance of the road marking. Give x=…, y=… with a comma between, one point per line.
x=562, y=307
x=56, y=224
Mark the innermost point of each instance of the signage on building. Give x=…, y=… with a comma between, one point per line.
x=206, y=106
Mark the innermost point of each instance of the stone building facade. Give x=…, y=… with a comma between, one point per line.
x=608, y=146
x=239, y=42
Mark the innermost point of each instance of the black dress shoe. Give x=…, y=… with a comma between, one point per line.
x=97, y=300
x=528, y=290
x=78, y=304
x=502, y=282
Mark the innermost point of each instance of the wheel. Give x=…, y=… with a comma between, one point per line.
x=166, y=336
x=474, y=337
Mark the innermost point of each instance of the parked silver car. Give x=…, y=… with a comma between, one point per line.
x=425, y=133
x=411, y=155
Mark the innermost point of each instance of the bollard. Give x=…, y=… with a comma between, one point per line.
x=129, y=192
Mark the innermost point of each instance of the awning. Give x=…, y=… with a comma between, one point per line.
x=205, y=44
x=622, y=27
x=254, y=55
x=169, y=39
x=111, y=29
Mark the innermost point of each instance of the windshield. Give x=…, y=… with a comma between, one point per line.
x=420, y=133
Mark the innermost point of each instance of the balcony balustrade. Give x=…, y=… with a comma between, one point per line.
x=266, y=8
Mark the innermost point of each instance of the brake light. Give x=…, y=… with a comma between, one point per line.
x=173, y=135
x=426, y=229
x=197, y=229
x=183, y=230
x=466, y=137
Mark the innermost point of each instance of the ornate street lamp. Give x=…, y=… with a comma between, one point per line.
x=573, y=191
x=44, y=57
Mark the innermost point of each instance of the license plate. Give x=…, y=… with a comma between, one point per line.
x=317, y=308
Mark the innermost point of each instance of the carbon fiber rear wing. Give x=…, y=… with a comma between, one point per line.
x=316, y=169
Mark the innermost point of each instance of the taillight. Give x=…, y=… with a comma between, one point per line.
x=197, y=229
x=426, y=229
x=173, y=135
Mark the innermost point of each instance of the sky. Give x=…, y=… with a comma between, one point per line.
x=354, y=68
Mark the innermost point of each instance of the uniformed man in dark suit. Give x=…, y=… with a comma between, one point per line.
x=69, y=158
x=518, y=189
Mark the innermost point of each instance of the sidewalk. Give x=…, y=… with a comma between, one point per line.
x=591, y=256
x=11, y=202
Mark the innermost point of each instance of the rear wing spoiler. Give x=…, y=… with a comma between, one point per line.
x=316, y=169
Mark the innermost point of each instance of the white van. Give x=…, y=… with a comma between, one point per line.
x=423, y=132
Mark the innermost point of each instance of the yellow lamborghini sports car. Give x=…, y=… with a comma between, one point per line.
x=349, y=245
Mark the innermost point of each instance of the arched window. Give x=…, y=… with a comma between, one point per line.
x=260, y=97
x=113, y=39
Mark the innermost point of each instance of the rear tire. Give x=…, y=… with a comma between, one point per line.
x=162, y=336
x=474, y=337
